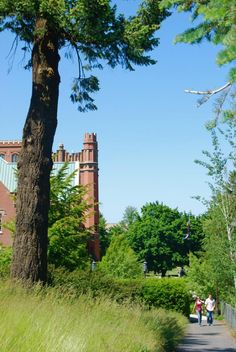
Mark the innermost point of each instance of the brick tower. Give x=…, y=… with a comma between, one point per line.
x=85, y=162
x=88, y=159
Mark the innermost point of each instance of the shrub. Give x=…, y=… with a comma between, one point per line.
x=94, y=284
x=166, y=293
x=82, y=282
x=170, y=294
x=5, y=261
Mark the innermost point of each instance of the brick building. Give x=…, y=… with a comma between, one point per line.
x=86, y=164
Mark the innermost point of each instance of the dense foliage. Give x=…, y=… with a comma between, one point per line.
x=120, y=260
x=166, y=293
x=68, y=237
x=163, y=237
x=5, y=261
x=92, y=29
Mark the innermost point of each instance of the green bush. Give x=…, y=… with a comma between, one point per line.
x=168, y=293
x=5, y=261
x=94, y=284
x=82, y=282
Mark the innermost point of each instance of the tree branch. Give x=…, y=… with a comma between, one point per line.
x=209, y=92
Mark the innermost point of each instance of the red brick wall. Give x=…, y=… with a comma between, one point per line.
x=8, y=148
x=88, y=159
x=7, y=206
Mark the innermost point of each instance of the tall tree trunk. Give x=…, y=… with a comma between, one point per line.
x=34, y=166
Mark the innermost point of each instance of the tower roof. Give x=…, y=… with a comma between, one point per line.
x=9, y=178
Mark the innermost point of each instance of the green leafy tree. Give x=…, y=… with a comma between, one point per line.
x=158, y=237
x=129, y=217
x=120, y=260
x=218, y=251
x=68, y=237
x=117, y=229
x=213, y=271
x=97, y=35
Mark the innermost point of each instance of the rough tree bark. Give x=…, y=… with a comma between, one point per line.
x=30, y=242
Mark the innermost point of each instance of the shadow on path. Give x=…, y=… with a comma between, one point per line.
x=216, y=338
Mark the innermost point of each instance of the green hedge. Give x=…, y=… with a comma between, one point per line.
x=170, y=294
x=5, y=261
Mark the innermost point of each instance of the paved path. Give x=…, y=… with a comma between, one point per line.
x=216, y=338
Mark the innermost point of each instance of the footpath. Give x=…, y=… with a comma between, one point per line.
x=215, y=338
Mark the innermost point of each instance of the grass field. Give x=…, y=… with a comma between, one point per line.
x=45, y=320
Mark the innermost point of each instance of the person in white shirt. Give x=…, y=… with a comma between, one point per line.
x=210, y=306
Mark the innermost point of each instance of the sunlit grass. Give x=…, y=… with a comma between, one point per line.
x=43, y=320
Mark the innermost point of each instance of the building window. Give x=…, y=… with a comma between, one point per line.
x=2, y=156
x=14, y=158
x=1, y=221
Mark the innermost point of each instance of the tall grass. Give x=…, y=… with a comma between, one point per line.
x=43, y=320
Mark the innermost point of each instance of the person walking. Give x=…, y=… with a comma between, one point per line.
x=210, y=306
x=198, y=308
x=181, y=272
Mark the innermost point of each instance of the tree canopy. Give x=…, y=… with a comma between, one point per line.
x=91, y=30
x=161, y=236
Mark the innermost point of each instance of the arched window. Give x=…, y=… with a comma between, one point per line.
x=14, y=158
x=2, y=156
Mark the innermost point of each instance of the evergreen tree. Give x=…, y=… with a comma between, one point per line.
x=97, y=35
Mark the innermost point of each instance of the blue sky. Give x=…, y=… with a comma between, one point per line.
x=149, y=130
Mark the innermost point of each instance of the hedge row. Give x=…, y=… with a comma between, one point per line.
x=168, y=293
